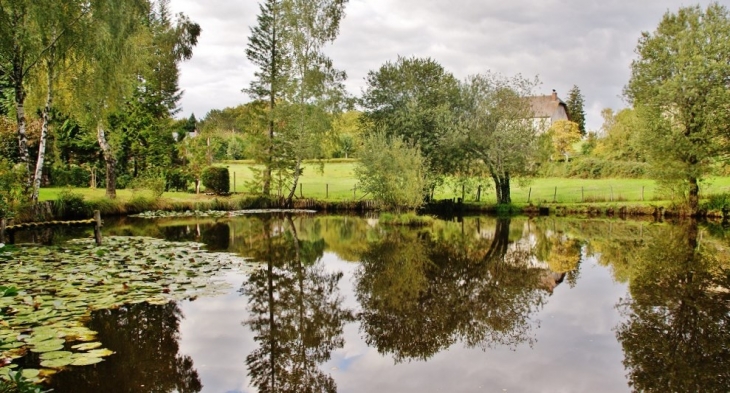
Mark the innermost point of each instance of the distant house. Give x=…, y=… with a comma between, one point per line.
x=547, y=110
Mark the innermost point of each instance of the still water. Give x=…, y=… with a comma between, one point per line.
x=346, y=304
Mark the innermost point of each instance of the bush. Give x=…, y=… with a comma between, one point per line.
x=392, y=172
x=71, y=205
x=71, y=176
x=216, y=179
x=151, y=181
x=178, y=180
x=11, y=186
x=717, y=202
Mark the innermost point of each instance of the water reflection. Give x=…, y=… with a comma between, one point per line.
x=479, y=283
x=421, y=293
x=145, y=339
x=296, y=312
x=677, y=334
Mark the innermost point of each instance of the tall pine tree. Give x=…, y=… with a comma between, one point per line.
x=267, y=50
x=576, y=109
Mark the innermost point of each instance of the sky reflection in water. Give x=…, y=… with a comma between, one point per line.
x=485, y=305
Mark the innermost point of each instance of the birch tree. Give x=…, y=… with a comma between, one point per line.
x=315, y=87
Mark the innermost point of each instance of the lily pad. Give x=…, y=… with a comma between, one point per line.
x=87, y=346
x=86, y=360
x=58, y=363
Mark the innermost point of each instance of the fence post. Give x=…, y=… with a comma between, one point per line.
x=611, y=193
x=234, y=182
x=354, y=192
x=555, y=195
x=463, y=192
x=97, y=227
x=3, y=225
x=642, y=193
x=529, y=195
x=327, y=191
x=582, y=196
x=479, y=193
x=301, y=195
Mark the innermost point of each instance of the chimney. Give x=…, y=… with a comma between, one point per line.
x=555, y=95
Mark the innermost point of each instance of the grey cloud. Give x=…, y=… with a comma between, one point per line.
x=588, y=43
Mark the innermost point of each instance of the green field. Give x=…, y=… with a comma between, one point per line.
x=335, y=181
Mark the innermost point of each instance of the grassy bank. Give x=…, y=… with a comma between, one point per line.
x=333, y=187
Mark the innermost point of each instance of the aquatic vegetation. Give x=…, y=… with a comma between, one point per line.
x=49, y=292
x=217, y=213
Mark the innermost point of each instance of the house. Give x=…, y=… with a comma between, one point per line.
x=547, y=110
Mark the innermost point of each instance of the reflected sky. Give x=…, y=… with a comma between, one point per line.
x=570, y=343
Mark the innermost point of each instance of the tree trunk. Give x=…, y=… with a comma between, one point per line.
x=502, y=187
x=111, y=164
x=22, y=134
x=297, y=172
x=694, y=195
x=44, y=136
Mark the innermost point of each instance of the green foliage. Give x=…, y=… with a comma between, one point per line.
x=564, y=134
x=216, y=179
x=407, y=219
x=595, y=168
x=717, y=202
x=71, y=205
x=678, y=86
x=8, y=291
x=413, y=99
x=11, y=185
x=492, y=135
x=17, y=383
x=70, y=176
x=392, y=172
x=151, y=180
x=576, y=109
x=178, y=180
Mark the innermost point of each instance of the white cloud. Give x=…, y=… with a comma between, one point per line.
x=588, y=43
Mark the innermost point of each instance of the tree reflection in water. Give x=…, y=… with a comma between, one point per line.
x=145, y=339
x=421, y=293
x=296, y=312
x=677, y=334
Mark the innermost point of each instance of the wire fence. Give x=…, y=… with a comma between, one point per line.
x=544, y=192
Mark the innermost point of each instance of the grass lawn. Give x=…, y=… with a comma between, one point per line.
x=335, y=181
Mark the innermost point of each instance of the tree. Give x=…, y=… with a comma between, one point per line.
x=412, y=98
x=576, y=109
x=296, y=78
x=494, y=132
x=564, y=134
x=38, y=34
x=392, y=172
x=679, y=88
x=267, y=50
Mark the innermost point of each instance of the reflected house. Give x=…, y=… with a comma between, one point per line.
x=547, y=109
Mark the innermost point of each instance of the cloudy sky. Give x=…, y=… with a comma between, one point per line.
x=588, y=43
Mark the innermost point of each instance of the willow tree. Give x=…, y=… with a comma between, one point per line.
x=679, y=87
x=494, y=130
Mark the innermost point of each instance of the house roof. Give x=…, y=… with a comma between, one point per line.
x=545, y=106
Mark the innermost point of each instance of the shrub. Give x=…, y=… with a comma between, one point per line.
x=71, y=176
x=151, y=181
x=216, y=179
x=71, y=205
x=392, y=172
x=717, y=202
x=178, y=180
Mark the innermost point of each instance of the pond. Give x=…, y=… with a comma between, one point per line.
x=315, y=303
